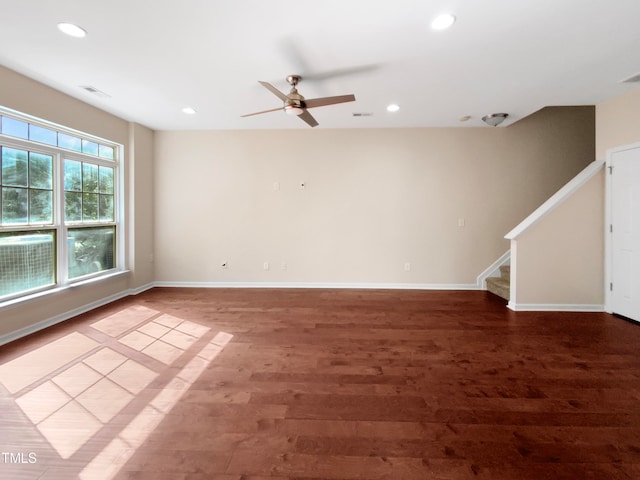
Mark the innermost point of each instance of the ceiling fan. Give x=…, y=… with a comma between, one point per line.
x=295, y=104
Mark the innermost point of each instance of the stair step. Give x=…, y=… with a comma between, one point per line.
x=505, y=271
x=499, y=286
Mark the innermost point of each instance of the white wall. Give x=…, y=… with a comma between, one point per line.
x=373, y=200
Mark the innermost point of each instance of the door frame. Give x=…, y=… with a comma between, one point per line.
x=608, y=246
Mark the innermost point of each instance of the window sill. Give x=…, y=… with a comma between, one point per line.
x=21, y=301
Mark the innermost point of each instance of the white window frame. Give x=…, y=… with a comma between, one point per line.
x=59, y=225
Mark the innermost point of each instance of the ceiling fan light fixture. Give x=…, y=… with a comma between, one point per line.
x=72, y=30
x=495, y=119
x=293, y=110
x=444, y=21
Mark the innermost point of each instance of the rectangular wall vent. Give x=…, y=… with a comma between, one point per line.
x=94, y=91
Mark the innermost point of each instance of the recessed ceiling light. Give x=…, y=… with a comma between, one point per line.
x=495, y=119
x=72, y=30
x=188, y=110
x=393, y=108
x=442, y=22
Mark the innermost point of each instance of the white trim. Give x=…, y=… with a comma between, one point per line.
x=513, y=278
x=556, y=199
x=23, y=332
x=364, y=286
x=608, y=248
x=493, y=270
x=20, y=301
x=139, y=290
x=555, y=307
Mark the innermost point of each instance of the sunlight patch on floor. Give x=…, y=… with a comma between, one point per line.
x=73, y=387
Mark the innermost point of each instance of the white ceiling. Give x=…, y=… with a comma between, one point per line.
x=154, y=57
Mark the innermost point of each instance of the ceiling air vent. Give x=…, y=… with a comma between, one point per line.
x=362, y=114
x=632, y=79
x=94, y=91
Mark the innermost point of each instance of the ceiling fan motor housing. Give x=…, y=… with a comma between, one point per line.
x=293, y=79
x=294, y=104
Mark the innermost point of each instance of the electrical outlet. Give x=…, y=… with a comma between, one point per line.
x=265, y=265
x=407, y=267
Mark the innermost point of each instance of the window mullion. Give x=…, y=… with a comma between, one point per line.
x=61, y=247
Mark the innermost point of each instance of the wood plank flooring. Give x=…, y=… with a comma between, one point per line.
x=233, y=384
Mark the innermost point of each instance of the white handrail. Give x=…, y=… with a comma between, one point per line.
x=557, y=198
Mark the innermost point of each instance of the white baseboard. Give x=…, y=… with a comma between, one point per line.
x=143, y=288
x=364, y=286
x=555, y=307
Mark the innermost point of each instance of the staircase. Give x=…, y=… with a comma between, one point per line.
x=500, y=285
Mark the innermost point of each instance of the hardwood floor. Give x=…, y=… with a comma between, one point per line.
x=322, y=384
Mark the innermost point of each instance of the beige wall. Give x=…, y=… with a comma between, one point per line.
x=559, y=261
x=617, y=122
x=140, y=202
x=27, y=96
x=373, y=200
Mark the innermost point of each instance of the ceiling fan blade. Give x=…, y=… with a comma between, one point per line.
x=274, y=90
x=264, y=111
x=339, y=72
x=290, y=48
x=306, y=116
x=321, y=102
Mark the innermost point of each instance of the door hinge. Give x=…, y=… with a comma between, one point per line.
x=610, y=169
x=610, y=228
x=611, y=287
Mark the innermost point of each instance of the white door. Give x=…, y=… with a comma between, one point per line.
x=625, y=232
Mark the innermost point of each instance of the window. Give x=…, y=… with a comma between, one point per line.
x=59, y=221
